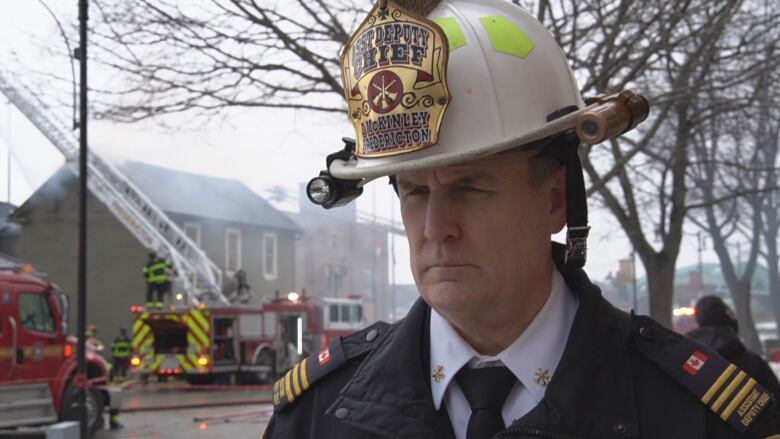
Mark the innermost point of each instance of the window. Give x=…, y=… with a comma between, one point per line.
x=345, y=313
x=35, y=312
x=334, y=313
x=232, y=250
x=357, y=313
x=192, y=230
x=269, y=256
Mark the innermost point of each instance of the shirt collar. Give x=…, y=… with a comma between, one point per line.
x=535, y=354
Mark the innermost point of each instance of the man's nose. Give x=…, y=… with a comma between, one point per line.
x=441, y=218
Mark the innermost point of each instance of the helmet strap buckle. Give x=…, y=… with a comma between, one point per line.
x=576, y=245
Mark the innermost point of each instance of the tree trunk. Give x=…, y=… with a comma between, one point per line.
x=747, y=327
x=770, y=239
x=660, y=288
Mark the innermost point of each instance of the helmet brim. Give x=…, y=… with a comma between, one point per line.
x=429, y=158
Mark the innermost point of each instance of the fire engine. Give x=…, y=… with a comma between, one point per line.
x=38, y=361
x=253, y=344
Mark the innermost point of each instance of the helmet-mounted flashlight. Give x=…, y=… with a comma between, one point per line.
x=328, y=191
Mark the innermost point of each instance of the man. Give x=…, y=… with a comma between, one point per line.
x=472, y=114
x=157, y=277
x=719, y=329
x=120, y=356
x=92, y=341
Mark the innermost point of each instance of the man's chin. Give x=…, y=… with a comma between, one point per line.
x=450, y=297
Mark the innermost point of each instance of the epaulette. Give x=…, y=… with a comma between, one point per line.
x=316, y=366
x=728, y=391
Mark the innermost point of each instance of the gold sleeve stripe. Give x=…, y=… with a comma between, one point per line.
x=718, y=384
x=304, y=374
x=728, y=391
x=295, y=379
x=287, y=390
x=738, y=399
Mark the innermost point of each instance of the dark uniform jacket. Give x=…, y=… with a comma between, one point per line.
x=620, y=376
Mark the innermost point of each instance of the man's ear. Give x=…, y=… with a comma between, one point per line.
x=556, y=192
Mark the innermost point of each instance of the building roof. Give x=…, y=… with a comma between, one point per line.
x=198, y=195
x=204, y=196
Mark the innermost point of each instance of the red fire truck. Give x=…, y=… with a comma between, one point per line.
x=37, y=358
x=251, y=343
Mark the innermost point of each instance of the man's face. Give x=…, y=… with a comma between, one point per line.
x=478, y=232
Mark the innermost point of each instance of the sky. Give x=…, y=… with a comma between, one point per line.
x=262, y=148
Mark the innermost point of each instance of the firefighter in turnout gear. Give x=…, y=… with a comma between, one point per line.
x=120, y=356
x=158, y=282
x=472, y=111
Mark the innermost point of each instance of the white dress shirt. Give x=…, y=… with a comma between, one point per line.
x=532, y=358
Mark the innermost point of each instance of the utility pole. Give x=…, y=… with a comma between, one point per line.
x=633, y=279
x=81, y=371
x=10, y=139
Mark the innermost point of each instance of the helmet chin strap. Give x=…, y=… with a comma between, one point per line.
x=577, y=227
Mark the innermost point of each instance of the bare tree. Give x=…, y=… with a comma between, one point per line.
x=210, y=55
x=728, y=178
x=173, y=56
x=676, y=53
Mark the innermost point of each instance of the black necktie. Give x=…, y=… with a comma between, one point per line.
x=485, y=388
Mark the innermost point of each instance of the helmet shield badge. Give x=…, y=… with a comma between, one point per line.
x=394, y=73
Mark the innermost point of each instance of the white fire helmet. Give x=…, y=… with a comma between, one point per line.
x=506, y=77
x=443, y=82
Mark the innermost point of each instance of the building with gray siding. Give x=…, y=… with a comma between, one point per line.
x=234, y=226
x=338, y=256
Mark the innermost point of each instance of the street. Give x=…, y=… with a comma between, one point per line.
x=177, y=410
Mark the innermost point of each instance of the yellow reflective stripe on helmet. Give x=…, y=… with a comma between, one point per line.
x=452, y=30
x=507, y=37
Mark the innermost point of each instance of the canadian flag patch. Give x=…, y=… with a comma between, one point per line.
x=695, y=362
x=324, y=355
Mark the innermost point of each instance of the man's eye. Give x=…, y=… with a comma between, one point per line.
x=415, y=191
x=467, y=188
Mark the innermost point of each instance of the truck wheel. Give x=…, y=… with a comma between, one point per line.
x=264, y=358
x=94, y=404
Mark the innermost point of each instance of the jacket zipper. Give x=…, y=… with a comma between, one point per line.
x=532, y=432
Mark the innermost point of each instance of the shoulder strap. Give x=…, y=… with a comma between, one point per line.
x=725, y=389
x=330, y=358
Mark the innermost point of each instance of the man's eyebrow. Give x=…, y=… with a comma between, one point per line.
x=471, y=178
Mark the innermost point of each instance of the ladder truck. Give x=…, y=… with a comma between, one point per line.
x=205, y=336
x=200, y=278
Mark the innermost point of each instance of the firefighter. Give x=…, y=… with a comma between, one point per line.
x=471, y=108
x=92, y=341
x=158, y=283
x=120, y=356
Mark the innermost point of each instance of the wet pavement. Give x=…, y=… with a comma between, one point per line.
x=178, y=410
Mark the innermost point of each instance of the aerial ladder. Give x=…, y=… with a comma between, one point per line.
x=200, y=277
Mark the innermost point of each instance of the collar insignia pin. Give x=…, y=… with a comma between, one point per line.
x=438, y=373
x=542, y=377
